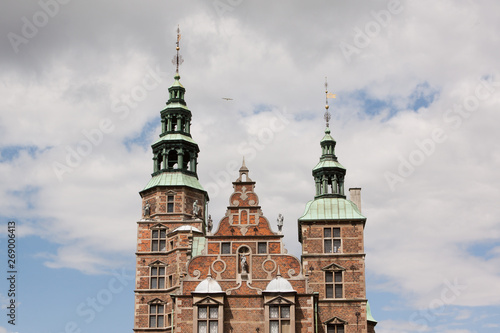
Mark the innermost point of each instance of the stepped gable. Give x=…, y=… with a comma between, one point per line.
x=244, y=255
x=244, y=216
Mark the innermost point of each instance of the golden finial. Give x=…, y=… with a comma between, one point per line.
x=328, y=95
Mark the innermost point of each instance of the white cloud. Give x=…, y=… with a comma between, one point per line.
x=419, y=238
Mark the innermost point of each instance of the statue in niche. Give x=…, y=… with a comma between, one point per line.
x=196, y=208
x=147, y=209
x=210, y=223
x=280, y=222
x=244, y=264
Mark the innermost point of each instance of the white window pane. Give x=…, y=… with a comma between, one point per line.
x=202, y=313
x=163, y=245
x=214, y=326
x=273, y=312
x=214, y=313
x=285, y=326
x=163, y=233
x=155, y=233
x=155, y=245
x=336, y=245
x=274, y=326
x=285, y=312
x=202, y=327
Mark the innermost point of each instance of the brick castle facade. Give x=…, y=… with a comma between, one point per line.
x=238, y=277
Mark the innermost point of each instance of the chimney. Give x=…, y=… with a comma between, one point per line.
x=355, y=196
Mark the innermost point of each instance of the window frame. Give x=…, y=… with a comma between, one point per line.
x=159, y=240
x=281, y=302
x=332, y=237
x=222, y=247
x=156, y=314
x=264, y=244
x=207, y=302
x=170, y=203
x=334, y=328
x=158, y=276
x=334, y=281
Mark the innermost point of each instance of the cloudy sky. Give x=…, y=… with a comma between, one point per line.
x=417, y=84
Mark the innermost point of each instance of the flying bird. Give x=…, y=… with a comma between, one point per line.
x=227, y=98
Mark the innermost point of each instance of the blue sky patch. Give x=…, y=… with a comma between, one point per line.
x=143, y=139
x=422, y=96
x=10, y=153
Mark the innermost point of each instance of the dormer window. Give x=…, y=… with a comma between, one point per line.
x=279, y=318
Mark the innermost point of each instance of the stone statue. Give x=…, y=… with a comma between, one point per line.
x=147, y=209
x=244, y=264
x=280, y=222
x=196, y=208
x=210, y=223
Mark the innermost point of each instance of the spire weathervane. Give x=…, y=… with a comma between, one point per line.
x=177, y=58
x=328, y=116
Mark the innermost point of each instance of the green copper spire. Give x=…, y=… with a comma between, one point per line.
x=328, y=173
x=175, y=153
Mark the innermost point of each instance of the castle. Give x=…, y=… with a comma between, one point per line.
x=238, y=277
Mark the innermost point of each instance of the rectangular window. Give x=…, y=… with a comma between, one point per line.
x=170, y=204
x=158, y=241
x=225, y=248
x=158, y=277
x=156, y=315
x=335, y=329
x=262, y=247
x=331, y=240
x=208, y=319
x=334, y=286
x=170, y=281
x=279, y=319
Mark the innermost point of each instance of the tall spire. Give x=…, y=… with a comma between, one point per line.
x=327, y=96
x=177, y=61
x=175, y=153
x=329, y=173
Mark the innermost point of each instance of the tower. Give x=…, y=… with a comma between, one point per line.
x=331, y=233
x=174, y=213
x=239, y=277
